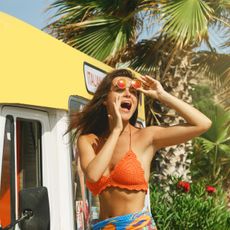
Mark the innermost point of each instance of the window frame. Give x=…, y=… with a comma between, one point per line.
x=26, y=114
x=12, y=185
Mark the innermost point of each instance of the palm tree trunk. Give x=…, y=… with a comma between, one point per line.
x=174, y=161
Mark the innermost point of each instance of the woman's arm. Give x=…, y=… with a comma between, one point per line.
x=197, y=122
x=94, y=165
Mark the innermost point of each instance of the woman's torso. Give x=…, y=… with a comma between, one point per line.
x=118, y=202
x=115, y=201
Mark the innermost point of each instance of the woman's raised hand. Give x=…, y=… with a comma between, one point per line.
x=115, y=119
x=151, y=87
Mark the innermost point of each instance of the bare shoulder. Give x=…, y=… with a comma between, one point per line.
x=90, y=138
x=89, y=142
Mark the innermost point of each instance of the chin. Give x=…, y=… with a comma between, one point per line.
x=126, y=116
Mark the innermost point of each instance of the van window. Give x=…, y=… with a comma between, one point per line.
x=7, y=194
x=29, y=168
x=76, y=103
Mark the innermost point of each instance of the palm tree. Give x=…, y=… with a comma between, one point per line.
x=111, y=32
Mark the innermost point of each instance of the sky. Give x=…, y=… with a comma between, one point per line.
x=30, y=11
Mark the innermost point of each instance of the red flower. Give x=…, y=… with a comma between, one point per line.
x=210, y=189
x=184, y=185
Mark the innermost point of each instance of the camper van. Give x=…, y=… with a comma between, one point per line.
x=42, y=81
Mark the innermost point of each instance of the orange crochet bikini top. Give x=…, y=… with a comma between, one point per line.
x=127, y=174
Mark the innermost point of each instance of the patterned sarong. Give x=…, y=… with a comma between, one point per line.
x=139, y=220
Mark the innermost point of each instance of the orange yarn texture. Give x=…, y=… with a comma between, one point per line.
x=127, y=174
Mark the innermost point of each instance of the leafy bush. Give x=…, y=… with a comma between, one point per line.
x=211, y=151
x=190, y=206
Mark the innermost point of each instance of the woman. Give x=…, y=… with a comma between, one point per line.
x=115, y=156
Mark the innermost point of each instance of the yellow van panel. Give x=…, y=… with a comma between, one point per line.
x=37, y=69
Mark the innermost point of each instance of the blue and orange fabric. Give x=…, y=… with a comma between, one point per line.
x=135, y=221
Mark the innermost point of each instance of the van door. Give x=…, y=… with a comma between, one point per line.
x=22, y=157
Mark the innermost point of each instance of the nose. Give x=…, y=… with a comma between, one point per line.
x=127, y=92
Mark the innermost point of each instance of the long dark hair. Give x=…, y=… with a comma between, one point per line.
x=93, y=118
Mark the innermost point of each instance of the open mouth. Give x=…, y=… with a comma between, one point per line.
x=126, y=105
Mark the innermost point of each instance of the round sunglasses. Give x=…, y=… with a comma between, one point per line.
x=124, y=83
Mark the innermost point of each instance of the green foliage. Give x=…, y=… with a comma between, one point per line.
x=195, y=209
x=99, y=28
x=211, y=157
x=107, y=29
x=187, y=19
x=202, y=97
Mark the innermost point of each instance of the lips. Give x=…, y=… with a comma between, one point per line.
x=126, y=105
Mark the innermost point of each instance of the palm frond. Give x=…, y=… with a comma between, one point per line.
x=214, y=66
x=102, y=29
x=147, y=56
x=187, y=20
x=102, y=41
x=219, y=131
x=225, y=148
x=206, y=145
x=221, y=10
